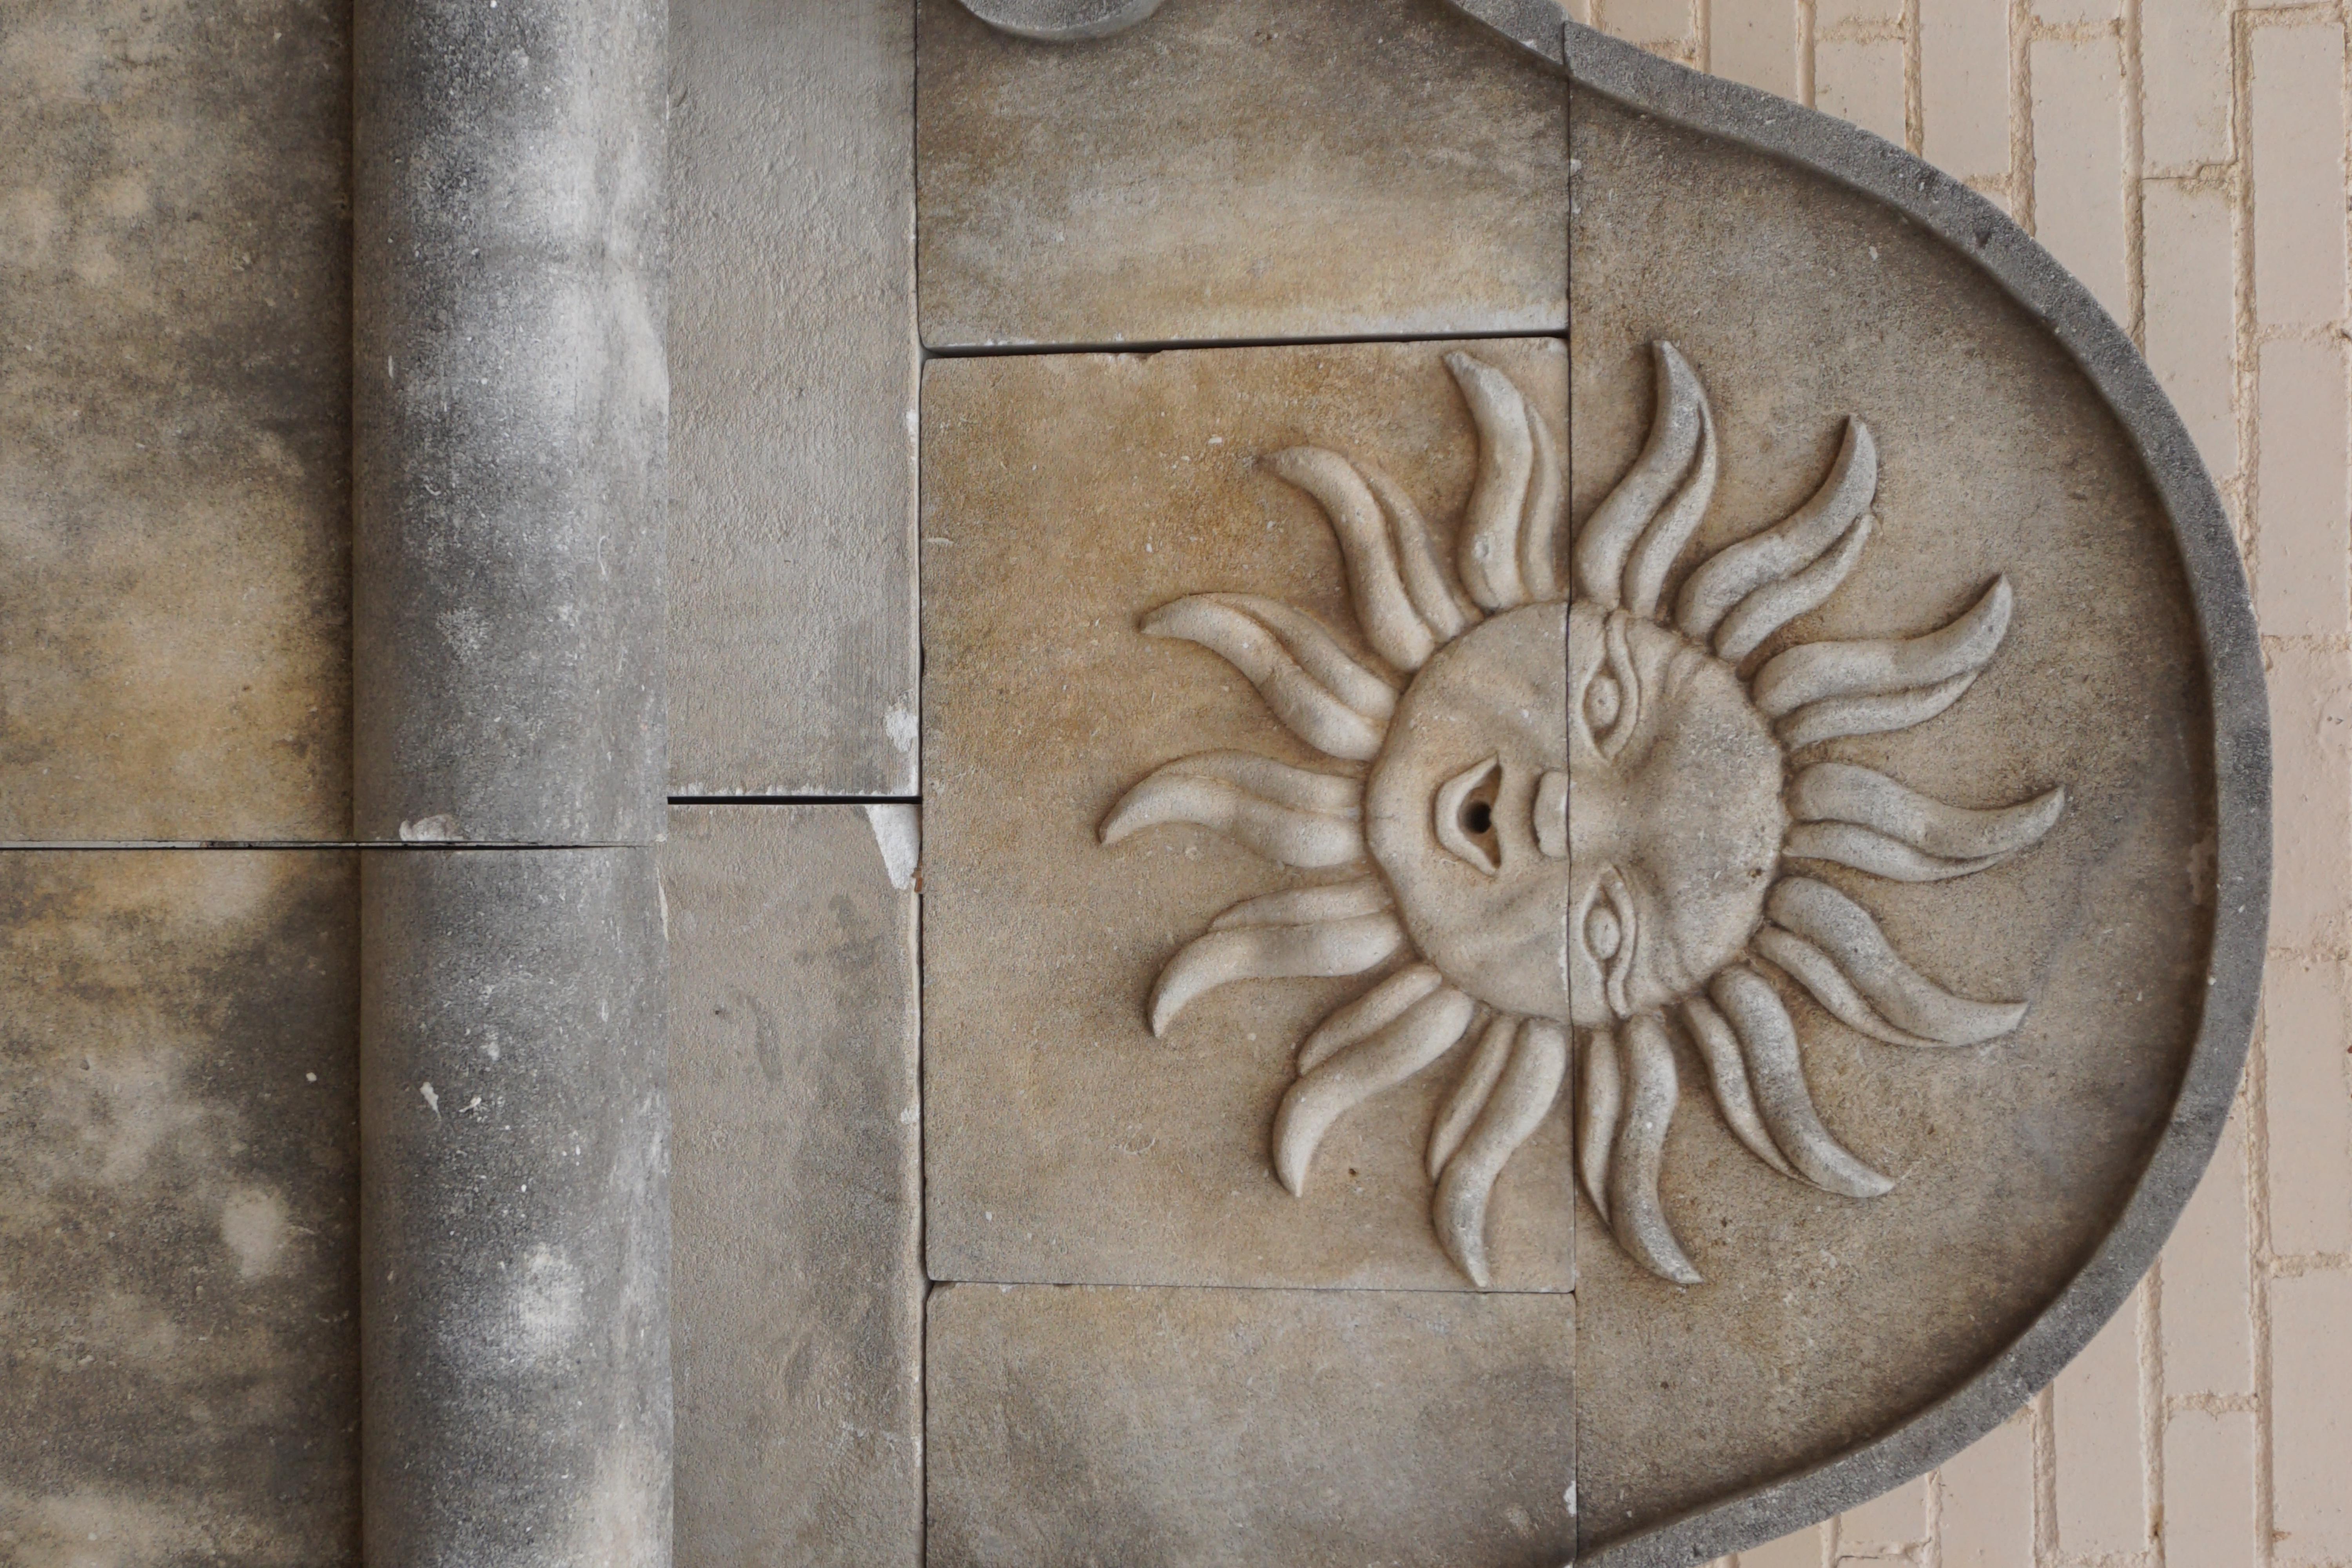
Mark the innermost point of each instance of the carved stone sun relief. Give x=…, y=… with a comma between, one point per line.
x=1530, y=672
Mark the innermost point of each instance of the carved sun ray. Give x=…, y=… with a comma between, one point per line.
x=1545, y=943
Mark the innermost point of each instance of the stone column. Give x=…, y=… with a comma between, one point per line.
x=509, y=408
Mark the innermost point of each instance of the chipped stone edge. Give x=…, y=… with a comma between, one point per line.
x=2242, y=754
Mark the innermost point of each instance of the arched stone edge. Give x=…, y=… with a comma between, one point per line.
x=2241, y=754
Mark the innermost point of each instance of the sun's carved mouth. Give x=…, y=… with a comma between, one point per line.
x=1571, y=813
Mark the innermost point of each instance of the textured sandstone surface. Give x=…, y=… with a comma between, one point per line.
x=1237, y=169
x=1219, y=1428
x=175, y=376
x=179, y=1207
x=798, y=1284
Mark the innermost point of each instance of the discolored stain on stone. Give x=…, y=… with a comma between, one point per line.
x=1067, y=500
x=798, y=1284
x=178, y=1207
x=174, y=375
x=1174, y=1428
x=1237, y=169
x=1827, y=1320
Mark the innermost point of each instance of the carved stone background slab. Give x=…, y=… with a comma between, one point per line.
x=1065, y=498
x=1315, y=1428
x=1237, y=169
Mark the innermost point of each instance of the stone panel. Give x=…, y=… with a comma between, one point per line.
x=1823, y=1318
x=1237, y=169
x=174, y=422
x=1225, y=1428
x=178, y=1185
x=792, y=619
x=797, y=1281
x=1066, y=499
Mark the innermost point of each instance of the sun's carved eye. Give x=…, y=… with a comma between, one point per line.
x=1466, y=816
x=1601, y=933
x=1611, y=705
x=1610, y=933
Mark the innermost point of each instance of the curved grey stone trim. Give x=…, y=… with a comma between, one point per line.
x=1061, y=21
x=514, y=1209
x=510, y=405
x=2241, y=760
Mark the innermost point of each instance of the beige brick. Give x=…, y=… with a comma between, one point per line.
x=1893, y=1519
x=2191, y=324
x=2311, y=730
x=1964, y=87
x=1755, y=42
x=2311, y=1432
x=2300, y=570
x=2078, y=170
x=1803, y=1550
x=2297, y=163
x=2208, y=1322
x=2208, y=1490
x=2096, y=1417
x=1987, y=1498
x=1833, y=17
x=1650, y=23
x=2309, y=1102
x=1862, y=82
x=2184, y=61
x=2074, y=13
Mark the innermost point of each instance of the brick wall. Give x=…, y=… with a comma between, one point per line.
x=2187, y=159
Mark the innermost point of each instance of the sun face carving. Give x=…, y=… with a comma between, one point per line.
x=1564, y=804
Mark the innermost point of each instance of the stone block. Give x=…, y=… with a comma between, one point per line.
x=1754, y=42
x=797, y=1285
x=2296, y=161
x=2078, y=163
x=2303, y=552
x=2095, y=1426
x=1987, y=1499
x=1964, y=87
x=2208, y=1277
x=2190, y=259
x=791, y=355
x=2210, y=1517
x=179, y=1197
x=1067, y=501
x=175, y=422
x=1823, y=1317
x=2184, y=61
x=1160, y=1428
x=1237, y=169
x=2311, y=1420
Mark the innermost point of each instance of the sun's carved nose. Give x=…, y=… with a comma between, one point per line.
x=1551, y=815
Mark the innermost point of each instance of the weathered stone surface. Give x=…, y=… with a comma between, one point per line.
x=179, y=1187
x=1062, y=20
x=1825, y=1320
x=174, y=632
x=792, y=619
x=1238, y=169
x=509, y=421
x=798, y=1286
x=515, y=1249
x=1066, y=500
x=1158, y=1427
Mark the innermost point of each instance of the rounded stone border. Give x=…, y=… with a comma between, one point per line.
x=1061, y=21
x=2241, y=754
